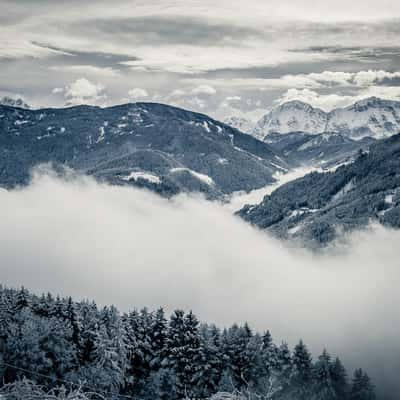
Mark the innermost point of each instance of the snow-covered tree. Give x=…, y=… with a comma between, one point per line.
x=323, y=383
x=183, y=347
x=361, y=388
x=210, y=361
x=157, y=338
x=302, y=373
x=39, y=345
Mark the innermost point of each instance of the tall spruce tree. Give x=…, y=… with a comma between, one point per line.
x=157, y=338
x=323, y=384
x=361, y=388
x=183, y=349
x=339, y=379
x=302, y=374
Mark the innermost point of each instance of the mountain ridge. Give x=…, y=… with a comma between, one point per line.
x=186, y=151
x=314, y=208
x=372, y=116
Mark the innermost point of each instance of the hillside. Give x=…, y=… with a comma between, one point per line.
x=314, y=208
x=164, y=148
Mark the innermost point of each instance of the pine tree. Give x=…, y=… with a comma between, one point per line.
x=42, y=306
x=5, y=319
x=39, y=345
x=107, y=370
x=139, y=343
x=183, y=346
x=362, y=388
x=323, y=387
x=269, y=354
x=284, y=367
x=58, y=308
x=302, y=371
x=339, y=379
x=235, y=342
x=72, y=318
x=22, y=300
x=157, y=338
x=88, y=331
x=210, y=362
x=255, y=370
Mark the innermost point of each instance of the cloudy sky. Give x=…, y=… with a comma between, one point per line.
x=217, y=57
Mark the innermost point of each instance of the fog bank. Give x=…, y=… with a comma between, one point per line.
x=132, y=248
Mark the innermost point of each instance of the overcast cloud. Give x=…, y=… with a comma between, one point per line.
x=259, y=51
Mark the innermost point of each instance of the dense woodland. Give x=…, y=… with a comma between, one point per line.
x=73, y=349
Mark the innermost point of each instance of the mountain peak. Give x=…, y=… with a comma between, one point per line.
x=374, y=101
x=295, y=104
x=372, y=116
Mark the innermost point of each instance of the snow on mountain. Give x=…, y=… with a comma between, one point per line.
x=240, y=123
x=316, y=207
x=163, y=148
x=293, y=116
x=14, y=102
x=371, y=117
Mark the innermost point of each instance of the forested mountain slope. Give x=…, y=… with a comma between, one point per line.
x=164, y=148
x=314, y=208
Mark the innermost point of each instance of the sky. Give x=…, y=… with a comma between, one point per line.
x=219, y=57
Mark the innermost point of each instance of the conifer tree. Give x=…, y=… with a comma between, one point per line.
x=22, y=300
x=157, y=338
x=72, y=318
x=183, y=345
x=302, y=371
x=235, y=342
x=284, y=366
x=323, y=387
x=210, y=362
x=339, y=379
x=362, y=388
x=269, y=353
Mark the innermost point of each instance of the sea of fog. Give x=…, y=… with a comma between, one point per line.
x=132, y=248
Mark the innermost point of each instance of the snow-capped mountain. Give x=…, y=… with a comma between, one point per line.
x=371, y=117
x=293, y=116
x=240, y=123
x=14, y=102
x=163, y=148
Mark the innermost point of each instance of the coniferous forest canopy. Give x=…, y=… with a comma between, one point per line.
x=52, y=346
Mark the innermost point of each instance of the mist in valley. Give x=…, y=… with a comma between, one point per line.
x=129, y=247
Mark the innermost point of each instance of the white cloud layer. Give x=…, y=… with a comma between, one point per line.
x=204, y=89
x=133, y=248
x=327, y=102
x=138, y=93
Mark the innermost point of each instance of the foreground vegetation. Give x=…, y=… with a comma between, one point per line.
x=74, y=350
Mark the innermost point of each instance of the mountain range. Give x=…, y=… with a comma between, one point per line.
x=164, y=148
x=371, y=117
x=170, y=150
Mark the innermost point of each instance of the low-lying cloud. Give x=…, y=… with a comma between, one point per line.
x=132, y=248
